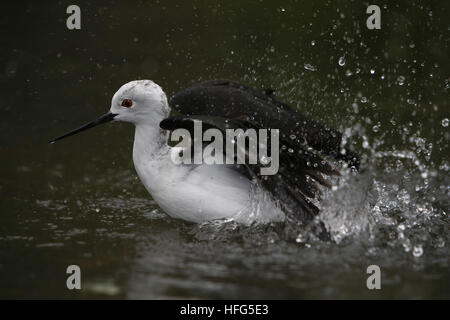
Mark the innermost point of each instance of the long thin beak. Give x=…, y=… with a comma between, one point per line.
x=103, y=119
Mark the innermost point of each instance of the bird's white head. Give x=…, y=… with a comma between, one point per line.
x=141, y=102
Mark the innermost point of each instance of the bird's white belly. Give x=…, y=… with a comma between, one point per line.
x=197, y=194
x=204, y=202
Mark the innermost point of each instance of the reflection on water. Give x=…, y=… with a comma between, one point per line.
x=80, y=202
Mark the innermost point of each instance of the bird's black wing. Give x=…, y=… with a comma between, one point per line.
x=232, y=100
x=293, y=186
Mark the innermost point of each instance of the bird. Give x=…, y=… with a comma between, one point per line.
x=206, y=192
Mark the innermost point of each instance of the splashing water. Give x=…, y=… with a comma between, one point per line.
x=261, y=209
x=403, y=204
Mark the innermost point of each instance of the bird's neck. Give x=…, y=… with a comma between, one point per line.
x=150, y=157
x=149, y=141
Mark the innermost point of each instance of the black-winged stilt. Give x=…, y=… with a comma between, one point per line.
x=202, y=192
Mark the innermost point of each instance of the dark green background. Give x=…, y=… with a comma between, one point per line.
x=79, y=201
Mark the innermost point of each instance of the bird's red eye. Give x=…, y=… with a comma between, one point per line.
x=127, y=103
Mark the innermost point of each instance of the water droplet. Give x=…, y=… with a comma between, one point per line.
x=341, y=61
x=309, y=67
x=313, y=43
x=363, y=99
x=417, y=251
x=376, y=128
x=401, y=80
x=372, y=71
x=406, y=247
x=444, y=122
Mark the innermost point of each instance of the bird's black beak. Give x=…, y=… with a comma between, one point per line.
x=103, y=119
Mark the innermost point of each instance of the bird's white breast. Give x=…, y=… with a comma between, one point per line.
x=195, y=193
